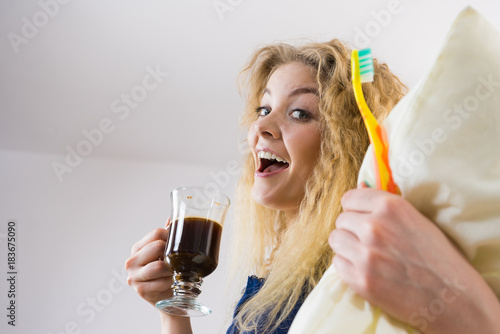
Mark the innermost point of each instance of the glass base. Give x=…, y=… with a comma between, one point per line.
x=183, y=306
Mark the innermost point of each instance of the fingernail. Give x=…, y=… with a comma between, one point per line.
x=364, y=184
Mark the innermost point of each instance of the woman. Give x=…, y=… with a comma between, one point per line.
x=307, y=141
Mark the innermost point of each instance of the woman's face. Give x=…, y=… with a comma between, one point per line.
x=285, y=139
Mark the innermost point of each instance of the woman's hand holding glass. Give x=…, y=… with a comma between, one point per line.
x=147, y=271
x=151, y=277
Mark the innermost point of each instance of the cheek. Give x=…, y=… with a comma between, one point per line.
x=307, y=150
x=311, y=159
x=252, y=136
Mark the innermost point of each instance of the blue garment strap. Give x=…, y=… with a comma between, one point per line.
x=254, y=284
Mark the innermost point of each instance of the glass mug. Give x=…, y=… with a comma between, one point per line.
x=192, y=250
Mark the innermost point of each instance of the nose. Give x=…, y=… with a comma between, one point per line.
x=269, y=126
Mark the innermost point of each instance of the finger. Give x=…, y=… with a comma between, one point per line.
x=364, y=199
x=369, y=229
x=152, y=287
x=154, y=290
x=153, y=251
x=156, y=234
x=354, y=222
x=151, y=271
x=167, y=224
x=345, y=244
x=344, y=267
x=350, y=275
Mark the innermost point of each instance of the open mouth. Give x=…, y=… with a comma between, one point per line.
x=270, y=163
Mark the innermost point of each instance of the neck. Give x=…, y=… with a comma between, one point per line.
x=290, y=215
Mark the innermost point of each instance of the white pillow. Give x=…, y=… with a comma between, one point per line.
x=444, y=152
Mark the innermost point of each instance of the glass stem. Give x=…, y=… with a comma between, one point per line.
x=186, y=286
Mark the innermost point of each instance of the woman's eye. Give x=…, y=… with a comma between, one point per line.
x=300, y=114
x=263, y=111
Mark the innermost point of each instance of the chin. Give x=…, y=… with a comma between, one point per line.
x=270, y=198
x=264, y=197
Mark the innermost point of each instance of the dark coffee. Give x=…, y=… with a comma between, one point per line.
x=193, y=246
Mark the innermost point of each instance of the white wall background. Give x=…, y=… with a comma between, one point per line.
x=74, y=237
x=76, y=68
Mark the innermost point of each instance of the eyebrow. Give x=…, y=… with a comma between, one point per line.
x=298, y=91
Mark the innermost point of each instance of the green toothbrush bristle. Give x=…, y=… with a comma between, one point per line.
x=366, y=70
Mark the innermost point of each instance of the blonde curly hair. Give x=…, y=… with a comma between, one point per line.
x=293, y=258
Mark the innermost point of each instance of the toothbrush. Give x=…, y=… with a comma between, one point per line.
x=362, y=71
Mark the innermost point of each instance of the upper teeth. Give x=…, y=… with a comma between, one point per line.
x=270, y=156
